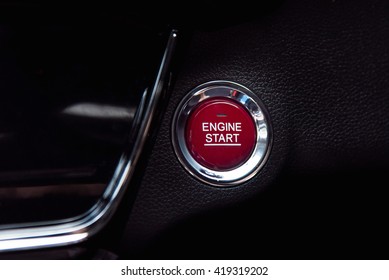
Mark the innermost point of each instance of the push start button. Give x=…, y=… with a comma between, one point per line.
x=220, y=133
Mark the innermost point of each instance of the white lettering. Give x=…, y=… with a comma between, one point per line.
x=220, y=126
x=222, y=139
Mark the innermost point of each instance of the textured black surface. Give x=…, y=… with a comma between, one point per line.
x=322, y=70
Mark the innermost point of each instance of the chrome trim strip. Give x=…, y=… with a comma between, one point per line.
x=77, y=229
x=257, y=110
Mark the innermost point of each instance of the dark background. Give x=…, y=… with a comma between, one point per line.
x=322, y=70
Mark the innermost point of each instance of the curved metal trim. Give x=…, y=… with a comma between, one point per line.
x=255, y=108
x=77, y=229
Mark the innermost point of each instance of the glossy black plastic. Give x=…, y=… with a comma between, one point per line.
x=69, y=90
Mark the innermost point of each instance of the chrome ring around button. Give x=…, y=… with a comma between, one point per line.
x=254, y=107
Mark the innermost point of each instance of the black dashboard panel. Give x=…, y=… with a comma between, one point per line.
x=321, y=69
x=70, y=90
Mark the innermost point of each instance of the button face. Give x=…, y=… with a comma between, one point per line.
x=220, y=134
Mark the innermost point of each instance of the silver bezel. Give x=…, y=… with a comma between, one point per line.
x=256, y=109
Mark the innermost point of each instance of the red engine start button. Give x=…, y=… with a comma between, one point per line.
x=220, y=134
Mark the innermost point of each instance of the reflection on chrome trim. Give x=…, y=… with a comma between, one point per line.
x=14, y=244
x=77, y=229
x=99, y=111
